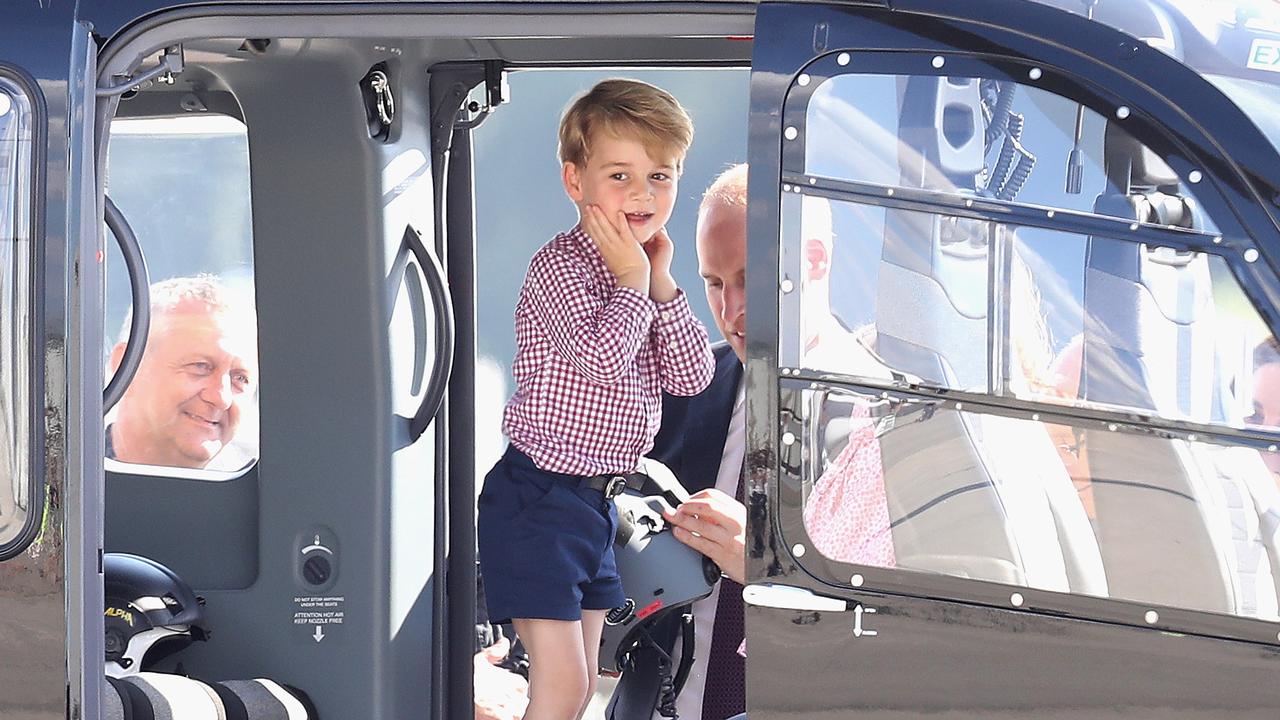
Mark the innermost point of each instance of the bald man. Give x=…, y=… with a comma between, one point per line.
x=189, y=395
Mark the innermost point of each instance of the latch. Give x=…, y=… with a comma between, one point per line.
x=379, y=102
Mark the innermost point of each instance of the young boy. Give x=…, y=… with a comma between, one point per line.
x=601, y=330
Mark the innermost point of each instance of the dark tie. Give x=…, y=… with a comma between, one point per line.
x=725, y=694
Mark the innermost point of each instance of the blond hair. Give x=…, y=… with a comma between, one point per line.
x=630, y=109
x=204, y=288
x=728, y=189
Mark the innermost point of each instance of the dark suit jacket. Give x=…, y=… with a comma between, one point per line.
x=691, y=443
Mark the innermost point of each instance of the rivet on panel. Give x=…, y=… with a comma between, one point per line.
x=1035, y=416
x=1016, y=599
x=1112, y=427
x=787, y=285
x=1271, y=448
x=791, y=133
x=1152, y=617
x=1194, y=177
x=797, y=550
x=856, y=580
x=1217, y=239
x=1133, y=226
x=1050, y=213
x=842, y=59
x=1191, y=437
x=1251, y=255
x=786, y=188
x=959, y=406
x=968, y=203
x=813, y=181
x=1034, y=73
x=939, y=61
x=1122, y=112
x=889, y=192
x=788, y=439
x=803, y=80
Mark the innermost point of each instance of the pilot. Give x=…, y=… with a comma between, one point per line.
x=197, y=376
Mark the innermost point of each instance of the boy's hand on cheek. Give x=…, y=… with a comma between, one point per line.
x=622, y=254
x=660, y=250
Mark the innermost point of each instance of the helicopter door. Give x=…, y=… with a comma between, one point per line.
x=50, y=394
x=1010, y=322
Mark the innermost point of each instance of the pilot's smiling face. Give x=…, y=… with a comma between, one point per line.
x=185, y=402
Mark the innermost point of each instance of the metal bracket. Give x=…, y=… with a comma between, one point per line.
x=449, y=86
x=172, y=63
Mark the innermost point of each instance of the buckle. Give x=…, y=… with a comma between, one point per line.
x=614, y=487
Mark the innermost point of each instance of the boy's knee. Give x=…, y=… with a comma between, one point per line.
x=573, y=697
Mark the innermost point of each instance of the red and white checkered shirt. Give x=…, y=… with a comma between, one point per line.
x=592, y=360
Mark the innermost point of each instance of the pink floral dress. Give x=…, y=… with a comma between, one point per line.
x=847, y=514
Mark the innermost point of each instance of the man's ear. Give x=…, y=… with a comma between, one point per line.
x=817, y=258
x=117, y=354
x=572, y=181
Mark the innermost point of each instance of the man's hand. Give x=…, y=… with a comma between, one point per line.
x=618, y=246
x=715, y=525
x=499, y=694
x=660, y=249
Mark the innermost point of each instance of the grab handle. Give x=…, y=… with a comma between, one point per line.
x=140, y=291
x=442, y=305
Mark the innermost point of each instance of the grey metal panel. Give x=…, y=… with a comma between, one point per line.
x=85, y=241
x=176, y=521
x=326, y=434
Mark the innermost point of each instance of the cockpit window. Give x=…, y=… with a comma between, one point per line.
x=1111, y=320
x=16, y=316
x=183, y=184
x=989, y=236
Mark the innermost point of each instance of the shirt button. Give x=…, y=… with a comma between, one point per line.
x=665, y=314
x=673, y=344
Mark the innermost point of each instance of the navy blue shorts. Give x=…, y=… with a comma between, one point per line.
x=546, y=543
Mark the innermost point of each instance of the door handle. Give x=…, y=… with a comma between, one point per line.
x=787, y=597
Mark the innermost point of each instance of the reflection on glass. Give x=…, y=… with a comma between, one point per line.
x=183, y=184
x=15, y=311
x=1092, y=512
x=987, y=138
x=1024, y=312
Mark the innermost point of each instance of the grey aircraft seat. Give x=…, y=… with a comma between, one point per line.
x=1177, y=522
x=971, y=495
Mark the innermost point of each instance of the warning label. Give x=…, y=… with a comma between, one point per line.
x=319, y=611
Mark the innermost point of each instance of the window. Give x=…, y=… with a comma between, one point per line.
x=978, y=235
x=17, y=314
x=1053, y=506
x=183, y=184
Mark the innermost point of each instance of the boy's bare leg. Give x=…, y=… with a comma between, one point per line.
x=592, y=627
x=558, y=679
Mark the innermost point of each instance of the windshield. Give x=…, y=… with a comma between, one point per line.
x=1235, y=44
